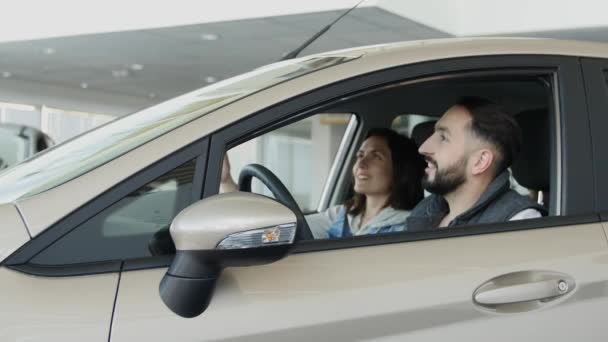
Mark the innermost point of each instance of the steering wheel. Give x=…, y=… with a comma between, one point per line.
x=278, y=189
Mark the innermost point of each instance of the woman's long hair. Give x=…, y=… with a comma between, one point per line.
x=408, y=170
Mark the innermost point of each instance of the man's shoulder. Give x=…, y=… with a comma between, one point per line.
x=519, y=203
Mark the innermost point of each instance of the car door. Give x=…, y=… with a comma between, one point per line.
x=424, y=285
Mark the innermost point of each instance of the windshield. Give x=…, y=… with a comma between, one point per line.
x=92, y=149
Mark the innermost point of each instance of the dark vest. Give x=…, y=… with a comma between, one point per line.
x=499, y=203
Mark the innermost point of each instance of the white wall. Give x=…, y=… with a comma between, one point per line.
x=481, y=17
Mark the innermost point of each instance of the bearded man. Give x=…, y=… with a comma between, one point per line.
x=468, y=156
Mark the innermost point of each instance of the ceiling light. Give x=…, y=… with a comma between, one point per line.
x=49, y=51
x=137, y=67
x=120, y=73
x=210, y=79
x=209, y=36
x=84, y=85
x=7, y=74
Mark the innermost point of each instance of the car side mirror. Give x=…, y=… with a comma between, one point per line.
x=232, y=229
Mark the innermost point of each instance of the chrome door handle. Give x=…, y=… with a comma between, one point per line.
x=523, y=292
x=521, y=287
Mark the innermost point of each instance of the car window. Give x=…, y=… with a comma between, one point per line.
x=526, y=99
x=300, y=154
x=127, y=228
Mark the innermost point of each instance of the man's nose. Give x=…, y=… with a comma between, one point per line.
x=424, y=149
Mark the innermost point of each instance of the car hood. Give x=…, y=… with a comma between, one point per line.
x=13, y=233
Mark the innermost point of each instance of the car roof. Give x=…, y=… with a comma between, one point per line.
x=464, y=47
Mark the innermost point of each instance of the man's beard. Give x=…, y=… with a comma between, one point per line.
x=446, y=180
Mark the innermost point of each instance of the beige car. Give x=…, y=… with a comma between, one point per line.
x=87, y=253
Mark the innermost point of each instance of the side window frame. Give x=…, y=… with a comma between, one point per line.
x=574, y=180
x=20, y=260
x=595, y=72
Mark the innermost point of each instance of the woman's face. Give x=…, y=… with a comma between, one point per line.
x=373, y=170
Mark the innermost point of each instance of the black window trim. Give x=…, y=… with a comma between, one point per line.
x=595, y=73
x=20, y=260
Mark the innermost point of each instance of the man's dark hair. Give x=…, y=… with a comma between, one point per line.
x=491, y=123
x=408, y=170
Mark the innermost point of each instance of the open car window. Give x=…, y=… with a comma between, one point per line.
x=302, y=155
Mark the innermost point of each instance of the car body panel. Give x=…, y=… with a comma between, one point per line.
x=41, y=211
x=479, y=46
x=389, y=292
x=56, y=309
x=13, y=233
x=605, y=224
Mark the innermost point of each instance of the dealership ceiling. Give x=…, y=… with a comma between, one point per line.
x=156, y=64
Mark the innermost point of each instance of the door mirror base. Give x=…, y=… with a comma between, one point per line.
x=188, y=285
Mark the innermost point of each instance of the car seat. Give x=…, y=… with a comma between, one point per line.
x=531, y=168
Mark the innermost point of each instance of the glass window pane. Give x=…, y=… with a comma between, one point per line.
x=125, y=229
x=300, y=155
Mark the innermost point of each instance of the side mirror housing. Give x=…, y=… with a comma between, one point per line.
x=232, y=229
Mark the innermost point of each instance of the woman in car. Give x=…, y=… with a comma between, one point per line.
x=387, y=179
x=386, y=186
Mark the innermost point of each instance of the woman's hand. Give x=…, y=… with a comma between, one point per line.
x=227, y=184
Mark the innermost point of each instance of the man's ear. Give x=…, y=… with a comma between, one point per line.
x=483, y=160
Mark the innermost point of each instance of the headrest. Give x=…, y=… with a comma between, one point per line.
x=531, y=169
x=423, y=131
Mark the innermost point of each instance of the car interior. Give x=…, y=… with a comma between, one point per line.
x=527, y=97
